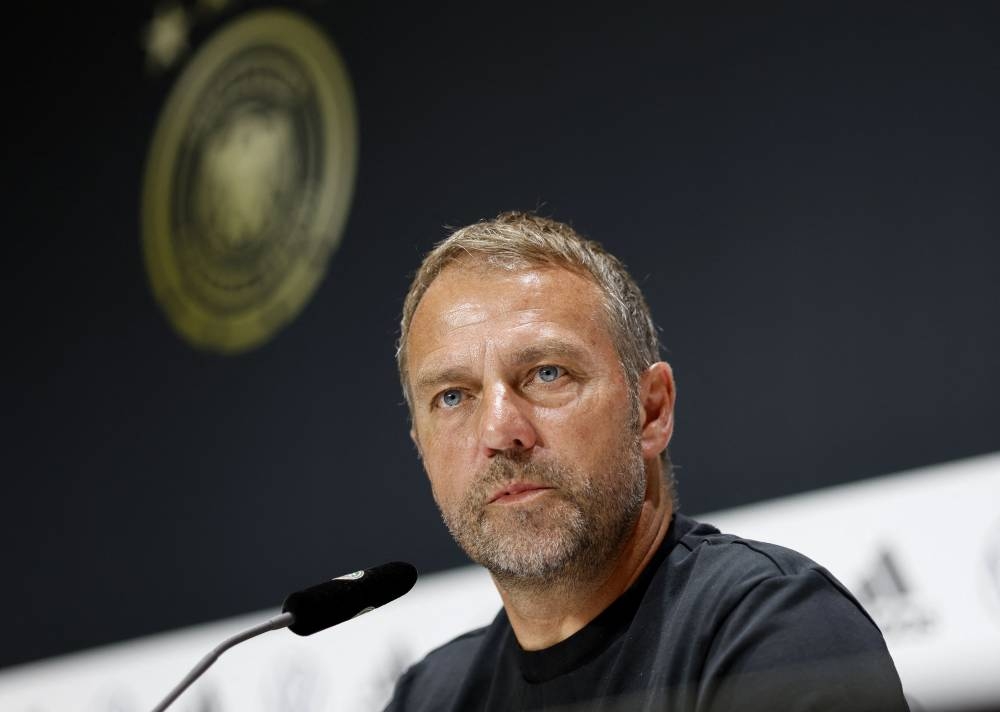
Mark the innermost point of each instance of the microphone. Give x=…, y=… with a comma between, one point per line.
x=349, y=596
x=317, y=608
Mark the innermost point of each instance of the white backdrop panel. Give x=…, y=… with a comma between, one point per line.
x=920, y=549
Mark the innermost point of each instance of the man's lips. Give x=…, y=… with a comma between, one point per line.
x=517, y=491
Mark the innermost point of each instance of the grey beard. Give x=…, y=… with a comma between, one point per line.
x=572, y=533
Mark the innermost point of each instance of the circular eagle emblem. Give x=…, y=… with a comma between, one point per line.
x=248, y=180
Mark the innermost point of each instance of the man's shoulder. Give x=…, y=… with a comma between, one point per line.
x=735, y=586
x=714, y=572
x=729, y=557
x=695, y=537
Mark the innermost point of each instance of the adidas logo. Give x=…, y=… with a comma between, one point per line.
x=888, y=597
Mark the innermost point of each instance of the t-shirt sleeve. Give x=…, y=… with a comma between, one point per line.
x=432, y=684
x=799, y=643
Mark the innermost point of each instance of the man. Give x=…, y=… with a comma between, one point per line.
x=542, y=413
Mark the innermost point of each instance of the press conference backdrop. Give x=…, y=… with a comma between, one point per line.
x=213, y=208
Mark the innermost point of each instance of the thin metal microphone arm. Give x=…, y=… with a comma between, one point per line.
x=276, y=623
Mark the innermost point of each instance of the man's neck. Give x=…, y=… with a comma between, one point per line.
x=544, y=616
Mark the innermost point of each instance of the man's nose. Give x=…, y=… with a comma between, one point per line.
x=504, y=425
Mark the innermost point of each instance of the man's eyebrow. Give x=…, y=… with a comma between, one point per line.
x=435, y=379
x=550, y=348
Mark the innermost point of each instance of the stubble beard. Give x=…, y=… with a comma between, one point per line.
x=570, y=533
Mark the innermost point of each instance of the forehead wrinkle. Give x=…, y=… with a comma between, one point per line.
x=461, y=315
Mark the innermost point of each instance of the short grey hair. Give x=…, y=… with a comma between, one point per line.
x=515, y=240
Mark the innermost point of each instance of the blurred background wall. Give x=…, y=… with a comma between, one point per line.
x=807, y=193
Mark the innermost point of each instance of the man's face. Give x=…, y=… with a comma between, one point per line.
x=524, y=420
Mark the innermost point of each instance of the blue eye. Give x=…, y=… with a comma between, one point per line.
x=549, y=373
x=450, y=398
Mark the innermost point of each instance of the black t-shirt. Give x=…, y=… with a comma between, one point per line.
x=714, y=622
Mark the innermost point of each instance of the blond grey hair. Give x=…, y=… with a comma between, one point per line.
x=516, y=240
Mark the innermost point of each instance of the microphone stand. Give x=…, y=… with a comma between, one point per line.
x=276, y=623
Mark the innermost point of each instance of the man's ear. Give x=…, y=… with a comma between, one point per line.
x=656, y=409
x=416, y=442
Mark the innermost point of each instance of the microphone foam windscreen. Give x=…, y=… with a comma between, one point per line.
x=341, y=599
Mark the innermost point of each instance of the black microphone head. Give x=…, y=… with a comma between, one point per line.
x=319, y=607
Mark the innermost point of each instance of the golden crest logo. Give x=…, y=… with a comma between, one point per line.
x=248, y=180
